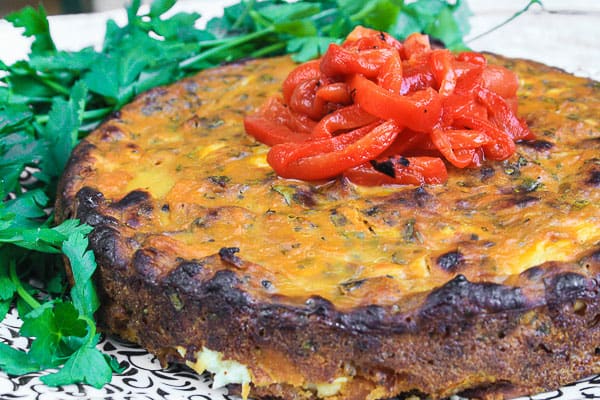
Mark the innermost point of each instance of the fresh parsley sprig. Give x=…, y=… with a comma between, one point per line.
x=54, y=98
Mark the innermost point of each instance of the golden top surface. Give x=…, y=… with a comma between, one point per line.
x=211, y=188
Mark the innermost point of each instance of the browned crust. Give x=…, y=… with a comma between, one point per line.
x=538, y=331
x=448, y=335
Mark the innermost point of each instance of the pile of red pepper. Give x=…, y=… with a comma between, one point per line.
x=380, y=111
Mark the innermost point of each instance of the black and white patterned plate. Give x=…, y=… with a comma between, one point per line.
x=144, y=378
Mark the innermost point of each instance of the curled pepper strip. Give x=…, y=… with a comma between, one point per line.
x=275, y=123
x=327, y=158
x=381, y=112
x=344, y=119
x=409, y=170
x=419, y=111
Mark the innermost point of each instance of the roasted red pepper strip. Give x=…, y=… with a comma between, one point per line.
x=390, y=74
x=503, y=116
x=338, y=61
x=407, y=171
x=304, y=72
x=328, y=158
x=275, y=123
x=270, y=132
x=472, y=58
x=467, y=138
x=374, y=99
x=362, y=38
x=502, y=145
x=336, y=92
x=500, y=81
x=460, y=159
x=415, y=45
x=416, y=74
x=441, y=62
x=419, y=111
x=406, y=141
x=344, y=119
x=304, y=100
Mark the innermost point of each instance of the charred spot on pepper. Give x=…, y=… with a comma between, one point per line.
x=385, y=167
x=228, y=255
x=451, y=261
x=436, y=43
x=403, y=161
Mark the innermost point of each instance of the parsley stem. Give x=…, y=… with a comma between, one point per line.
x=268, y=50
x=240, y=19
x=188, y=63
x=91, y=326
x=500, y=25
x=87, y=115
x=56, y=86
x=33, y=303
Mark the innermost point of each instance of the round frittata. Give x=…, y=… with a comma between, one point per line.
x=486, y=286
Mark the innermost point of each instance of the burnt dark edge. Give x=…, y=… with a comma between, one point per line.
x=458, y=299
x=76, y=163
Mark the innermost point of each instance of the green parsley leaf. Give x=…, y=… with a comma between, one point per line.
x=307, y=48
x=181, y=27
x=64, y=61
x=36, y=25
x=17, y=150
x=61, y=133
x=49, y=326
x=288, y=12
x=86, y=365
x=83, y=265
x=13, y=115
x=7, y=287
x=4, y=308
x=159, y=7
x=16, y=362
